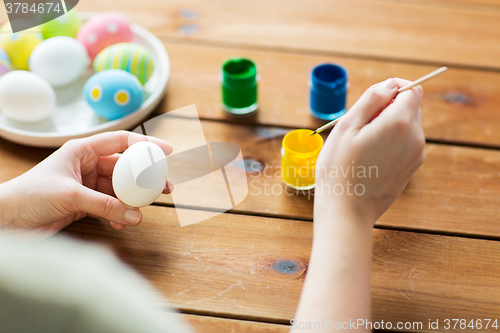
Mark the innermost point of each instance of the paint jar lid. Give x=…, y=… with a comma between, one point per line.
x=238, y=73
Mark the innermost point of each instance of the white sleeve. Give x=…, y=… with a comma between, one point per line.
x=65, y=285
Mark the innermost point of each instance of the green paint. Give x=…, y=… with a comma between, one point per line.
x=239, y=86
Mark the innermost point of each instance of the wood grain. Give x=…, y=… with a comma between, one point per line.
x=231, y=266
x=469, y=5
x=204, y=324
x=456, y=191
x=458, y=32
x=388, y=30
x=458, y=106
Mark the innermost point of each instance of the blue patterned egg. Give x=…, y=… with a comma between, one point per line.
x=5, y=65
x=113, y=93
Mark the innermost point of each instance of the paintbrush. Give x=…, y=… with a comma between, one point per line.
x=429, y=76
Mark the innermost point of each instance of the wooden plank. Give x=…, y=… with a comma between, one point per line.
x=485, y=2
x=461, y=33
x=469, y=5
x=204, y=324
x=226, y=266
x=455, y=191
x=459, y=106
x=389, y=30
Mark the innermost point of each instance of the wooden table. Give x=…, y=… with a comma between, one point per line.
x=435, y=251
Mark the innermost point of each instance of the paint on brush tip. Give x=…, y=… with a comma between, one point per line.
x=299, y=153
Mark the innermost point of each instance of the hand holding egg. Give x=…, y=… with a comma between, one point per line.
x=83, y=168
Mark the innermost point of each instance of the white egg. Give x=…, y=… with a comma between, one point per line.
x=59, y=60
x=26, y=97
x=140, y=175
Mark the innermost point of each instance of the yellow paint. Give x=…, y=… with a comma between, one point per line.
x=122, y=98
x=298, y=158
x=135, y=55
x=95, y=93
x=118, y=54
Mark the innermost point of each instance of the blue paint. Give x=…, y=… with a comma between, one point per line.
x=328, y=90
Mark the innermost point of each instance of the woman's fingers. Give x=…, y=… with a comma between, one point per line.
x=109, y=143
x=106, y=165
x=402, y=115
x=370, y=104
x=105, y=185
x=169, y=188
x=106, y=207
x=406, y=104
x=117, y=226
x=165, y=146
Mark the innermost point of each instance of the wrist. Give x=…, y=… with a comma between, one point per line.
x=6, y=204
x=338, y=220
x=350, y=208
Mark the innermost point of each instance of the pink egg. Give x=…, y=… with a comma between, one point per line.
x=104, y=30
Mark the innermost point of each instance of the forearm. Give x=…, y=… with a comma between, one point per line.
x=337, y=286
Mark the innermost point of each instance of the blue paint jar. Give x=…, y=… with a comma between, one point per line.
x=328, y=85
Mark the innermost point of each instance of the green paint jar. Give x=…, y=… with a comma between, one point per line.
x=239, y=79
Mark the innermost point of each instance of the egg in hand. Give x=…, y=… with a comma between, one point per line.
x=140, y=174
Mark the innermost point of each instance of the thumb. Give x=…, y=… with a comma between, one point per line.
x=373, y=101
x=107, y=207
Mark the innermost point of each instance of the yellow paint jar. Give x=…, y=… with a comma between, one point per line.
x=298, y=158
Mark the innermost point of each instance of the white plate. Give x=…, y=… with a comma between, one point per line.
x=73, y=118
